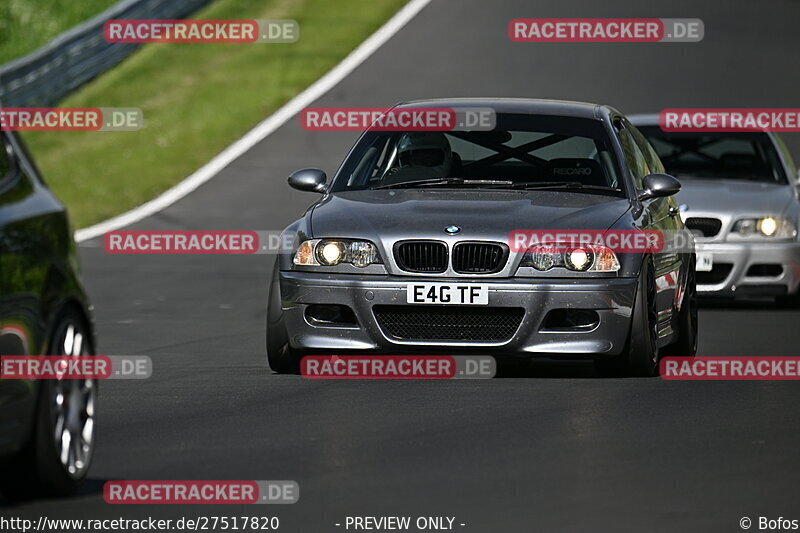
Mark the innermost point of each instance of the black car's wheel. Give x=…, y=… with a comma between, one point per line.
x=57, y=457
x=686, y=345
x=640, y=355
x=281, y=357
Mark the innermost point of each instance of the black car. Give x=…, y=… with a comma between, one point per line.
x=408, y=249
x=47, y=431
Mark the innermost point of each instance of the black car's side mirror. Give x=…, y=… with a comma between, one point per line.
x=309, y=179
x=659, y=186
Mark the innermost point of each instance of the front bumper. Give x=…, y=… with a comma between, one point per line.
x=611, y=299
x=739, y=269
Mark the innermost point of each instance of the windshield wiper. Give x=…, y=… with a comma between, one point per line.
x=443, y=181
x=542, y=185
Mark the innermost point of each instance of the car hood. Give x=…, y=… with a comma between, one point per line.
x=389, y=215
x=739, y=197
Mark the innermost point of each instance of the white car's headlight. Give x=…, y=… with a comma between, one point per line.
x=331, y=252
x=771, y=227
x=576, y=258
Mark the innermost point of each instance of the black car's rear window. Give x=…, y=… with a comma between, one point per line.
x=521, y=149
x=734, y=155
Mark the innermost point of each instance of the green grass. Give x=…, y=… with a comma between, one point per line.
x=196, y=100
x=25, y=25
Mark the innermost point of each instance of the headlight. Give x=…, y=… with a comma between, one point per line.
x=331, y=252
x=363, y=253
x=579, y=259
x=772, y=227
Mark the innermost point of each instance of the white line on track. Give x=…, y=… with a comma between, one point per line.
x=263, y=129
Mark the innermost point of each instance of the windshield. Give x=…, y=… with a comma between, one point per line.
x=523, y=152
x=738, y=155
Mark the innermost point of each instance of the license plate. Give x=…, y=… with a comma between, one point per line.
x=705, y=262
x=447, y=293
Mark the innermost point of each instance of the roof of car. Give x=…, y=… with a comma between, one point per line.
x=519, y=105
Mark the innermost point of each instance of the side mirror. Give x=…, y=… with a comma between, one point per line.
x=309, y=179
x=659, y=186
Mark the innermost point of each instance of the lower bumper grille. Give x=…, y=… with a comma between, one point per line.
x=466, y=324
x=764, y=271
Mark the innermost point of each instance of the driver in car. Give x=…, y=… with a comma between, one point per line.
x=421, y=155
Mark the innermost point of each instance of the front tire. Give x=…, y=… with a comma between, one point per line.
x=281, y=357
x=640, y=355
x=686, y=345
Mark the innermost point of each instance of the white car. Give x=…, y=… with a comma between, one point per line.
x=739, y=196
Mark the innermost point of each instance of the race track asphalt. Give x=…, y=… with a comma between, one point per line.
x=556, y=449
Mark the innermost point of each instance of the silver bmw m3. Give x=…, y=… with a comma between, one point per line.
x=739, y=196
x=412, y=247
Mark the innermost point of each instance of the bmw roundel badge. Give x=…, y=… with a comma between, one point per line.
x=452, y=230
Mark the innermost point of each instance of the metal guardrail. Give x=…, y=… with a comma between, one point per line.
x=45, y=76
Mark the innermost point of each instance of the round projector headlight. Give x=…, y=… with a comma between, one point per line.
x=768, y=226
x=578, y=259
x=330, y=253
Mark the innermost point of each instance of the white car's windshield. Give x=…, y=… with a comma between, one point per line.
x=735, y=155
